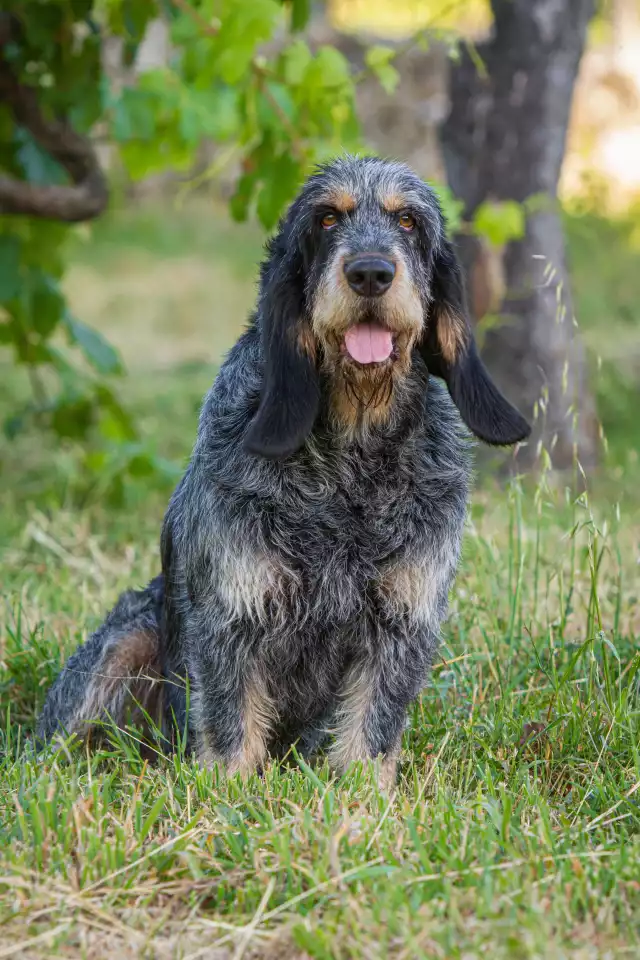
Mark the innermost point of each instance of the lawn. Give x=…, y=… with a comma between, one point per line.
x=514, y=827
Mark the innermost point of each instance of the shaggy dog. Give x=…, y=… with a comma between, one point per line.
x=308, y=551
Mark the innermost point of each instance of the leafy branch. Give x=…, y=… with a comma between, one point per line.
x=88, y=196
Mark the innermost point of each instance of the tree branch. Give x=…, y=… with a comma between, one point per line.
x=88, y=196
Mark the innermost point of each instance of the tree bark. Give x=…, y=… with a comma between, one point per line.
x=505, y=139
x=87, y=197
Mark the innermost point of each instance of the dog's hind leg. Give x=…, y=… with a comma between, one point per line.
x=114, y=673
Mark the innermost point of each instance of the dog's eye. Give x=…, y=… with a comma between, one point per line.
x=329, y=220
x=406, y=221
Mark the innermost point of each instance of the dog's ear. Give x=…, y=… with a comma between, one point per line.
x=290, y=396
x=449, y=349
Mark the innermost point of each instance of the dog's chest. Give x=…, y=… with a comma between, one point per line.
x=337, y=555
x=313, y=549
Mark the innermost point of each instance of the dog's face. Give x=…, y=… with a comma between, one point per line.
x=371, y=229
x=359, y=276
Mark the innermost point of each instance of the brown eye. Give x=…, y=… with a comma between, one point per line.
x=406, y=221
x=329, y=220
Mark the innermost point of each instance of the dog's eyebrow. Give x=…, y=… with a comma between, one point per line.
x=339, y=198
x=394, y=202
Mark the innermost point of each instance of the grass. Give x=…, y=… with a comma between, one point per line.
x=515, y=824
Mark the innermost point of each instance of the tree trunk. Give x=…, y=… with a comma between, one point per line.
x=504, y=140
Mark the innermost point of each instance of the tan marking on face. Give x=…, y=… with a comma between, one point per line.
x=403, y=307
x=363, y=398
x=258, y=718
x=341, y=199
x=394, y=202
x=335, y=305
x=306, y=341
x=130, y=671
x=452, y=334
x=410, y=588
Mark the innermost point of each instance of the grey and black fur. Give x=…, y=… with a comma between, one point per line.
x=308, y=552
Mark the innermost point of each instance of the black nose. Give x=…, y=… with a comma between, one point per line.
x=370, y=275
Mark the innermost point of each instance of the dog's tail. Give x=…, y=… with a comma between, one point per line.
x=116, y=672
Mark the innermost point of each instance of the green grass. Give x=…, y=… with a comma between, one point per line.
x=514, y=828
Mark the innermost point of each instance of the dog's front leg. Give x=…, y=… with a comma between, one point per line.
x=233, y=710
x=374, y=698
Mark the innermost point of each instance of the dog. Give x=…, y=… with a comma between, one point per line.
x=309, y=549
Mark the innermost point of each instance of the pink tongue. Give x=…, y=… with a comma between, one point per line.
x=368, y=343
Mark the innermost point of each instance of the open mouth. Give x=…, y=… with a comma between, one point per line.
x=368, y=343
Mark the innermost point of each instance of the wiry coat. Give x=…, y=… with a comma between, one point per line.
x=309, y=550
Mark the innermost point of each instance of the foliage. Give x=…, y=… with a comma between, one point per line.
x=499, y=222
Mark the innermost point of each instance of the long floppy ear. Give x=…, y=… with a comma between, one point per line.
x=449, y=350
x=290, y=396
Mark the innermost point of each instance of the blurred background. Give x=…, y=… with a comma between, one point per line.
x=147, y=149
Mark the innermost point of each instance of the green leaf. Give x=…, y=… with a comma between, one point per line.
x=134, y=115
x=45, y=303
x=244, y=25
x=388, y=77
x=95, y=348
x=31, y=353
x=330, y=69
x=9, y=267
x=281, y=179
x=300, y=13
x=499, y=222
x=115, y=422
x=7, y=333
x=452, y=207
x=129, y=18
x=209, y=113
x=379, y=60
x=379, y=56
x=295, y=61
x=272, y=106
x=163, y=153
x=73, y=418
x=140, y=465
x=241, y=200
x=43, y=244
x=37, y=165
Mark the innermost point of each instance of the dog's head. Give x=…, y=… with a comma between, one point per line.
x=359, y=275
